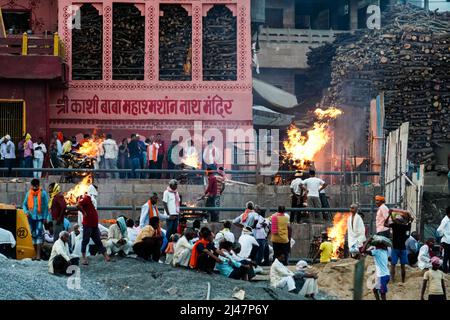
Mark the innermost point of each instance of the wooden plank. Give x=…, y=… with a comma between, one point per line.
x=11, y=41
x=10, y=50
x=2, y=25
x=40, y=51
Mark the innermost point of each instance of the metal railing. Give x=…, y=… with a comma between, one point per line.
x=31, y=45
x=299, y=36
x=229, y=209
x=243, y=172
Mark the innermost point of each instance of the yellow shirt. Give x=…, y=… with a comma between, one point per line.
x=327, y=249
x=146, y=232
x=434, y=278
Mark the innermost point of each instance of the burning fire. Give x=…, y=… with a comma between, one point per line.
x=331, y=113
x=303, y=148
x=79, y=190
x=91, y=147
x=337, y=232
x=191, y=204
x=192, y=161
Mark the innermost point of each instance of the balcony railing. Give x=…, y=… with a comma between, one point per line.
x=299, y=36
x=30, y=45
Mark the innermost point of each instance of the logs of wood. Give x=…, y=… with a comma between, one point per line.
x=128, y=42
x=409, y=60
x=219, y=45
x=87, y=44
x=175, y=37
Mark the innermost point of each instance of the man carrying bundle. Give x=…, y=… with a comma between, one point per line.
x=401, y=227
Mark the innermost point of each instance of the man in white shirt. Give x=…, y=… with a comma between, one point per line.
x=249, y=245
x=297, y=196
x=191, y=150
x=424, y=259
x=356, y=231
x=74, y=237
x=60, y=258
x=40, y=150
x=132, y=230
x=171, y=201
x=211, y=156
x=150, y=209
x=313, y=186
x=183, y=249
x=248, y=218
x=7, y=152
x=280, y=276
x=111, y=152
x=444, y=231
x=224, y=235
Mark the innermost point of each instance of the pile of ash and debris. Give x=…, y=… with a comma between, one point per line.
x=127, y=279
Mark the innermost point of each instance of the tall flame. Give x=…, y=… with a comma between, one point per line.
x=331, y=113
x=91, y=147
x=337, y=232
x=303, y=148
x=79, y=190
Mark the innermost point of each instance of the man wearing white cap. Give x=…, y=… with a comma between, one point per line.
x=7, y=152
x=307, y=281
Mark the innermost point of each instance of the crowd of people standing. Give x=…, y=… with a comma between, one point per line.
x=131, y=153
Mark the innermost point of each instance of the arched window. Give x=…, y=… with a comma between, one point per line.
x=219, y=45
x=175, y=38
x=128, y=42
x=87, y=45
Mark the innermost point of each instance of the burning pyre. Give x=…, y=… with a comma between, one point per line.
x=84, y=157
x=192, y=161
x=337, y=232
x=80, y=189
x=302, y=149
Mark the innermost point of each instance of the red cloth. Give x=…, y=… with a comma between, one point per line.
x=161, y=148
x=212, y=186
x=58, y=209
x=195, y=254
x=275, y=222
x=180, y=229
x=220, y=181
x=90, y=215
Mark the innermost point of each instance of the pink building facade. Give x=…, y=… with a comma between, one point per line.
x=151, y=106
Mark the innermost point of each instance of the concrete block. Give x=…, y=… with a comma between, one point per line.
x=123, y=188
x=143, y=188
x=11, y=187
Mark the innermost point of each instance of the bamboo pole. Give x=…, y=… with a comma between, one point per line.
x=25, y=44
x=56, y=44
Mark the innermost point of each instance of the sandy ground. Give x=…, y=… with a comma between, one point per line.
x=126, y=279
x=336, y=278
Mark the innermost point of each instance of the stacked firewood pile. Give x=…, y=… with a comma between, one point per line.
x=409, y=60
x=219, y=45
x=175, y=35
x=128, y=42
x=87, y=44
